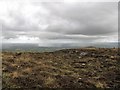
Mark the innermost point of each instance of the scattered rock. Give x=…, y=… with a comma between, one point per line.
x=71, y=68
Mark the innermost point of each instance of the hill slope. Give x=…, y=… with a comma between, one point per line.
x=70, y=68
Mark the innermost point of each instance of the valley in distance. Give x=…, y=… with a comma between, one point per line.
x=30, y=66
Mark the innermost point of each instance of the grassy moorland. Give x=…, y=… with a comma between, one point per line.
x=70, y=68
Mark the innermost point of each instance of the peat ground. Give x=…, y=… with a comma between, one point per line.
x=70, y=68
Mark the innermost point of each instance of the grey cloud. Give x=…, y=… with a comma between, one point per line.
x=63, y=22
x=94, y=18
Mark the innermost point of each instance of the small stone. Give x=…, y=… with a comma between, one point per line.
x=79, y=78
x=76, y=51
x=83, y=54
x=79, y=57
x=83, y=64
x=112, y=57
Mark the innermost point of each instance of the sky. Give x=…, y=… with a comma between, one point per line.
x=58, y=23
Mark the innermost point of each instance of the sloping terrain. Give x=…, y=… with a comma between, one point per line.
x=70, y=68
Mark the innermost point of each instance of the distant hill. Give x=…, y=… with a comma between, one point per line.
x=35, y=47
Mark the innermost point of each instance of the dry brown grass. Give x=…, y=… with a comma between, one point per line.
x=71, y=68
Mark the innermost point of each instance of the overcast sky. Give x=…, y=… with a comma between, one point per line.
x=58, y=23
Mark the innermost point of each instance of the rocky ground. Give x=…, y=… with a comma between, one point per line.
x=70, y=68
